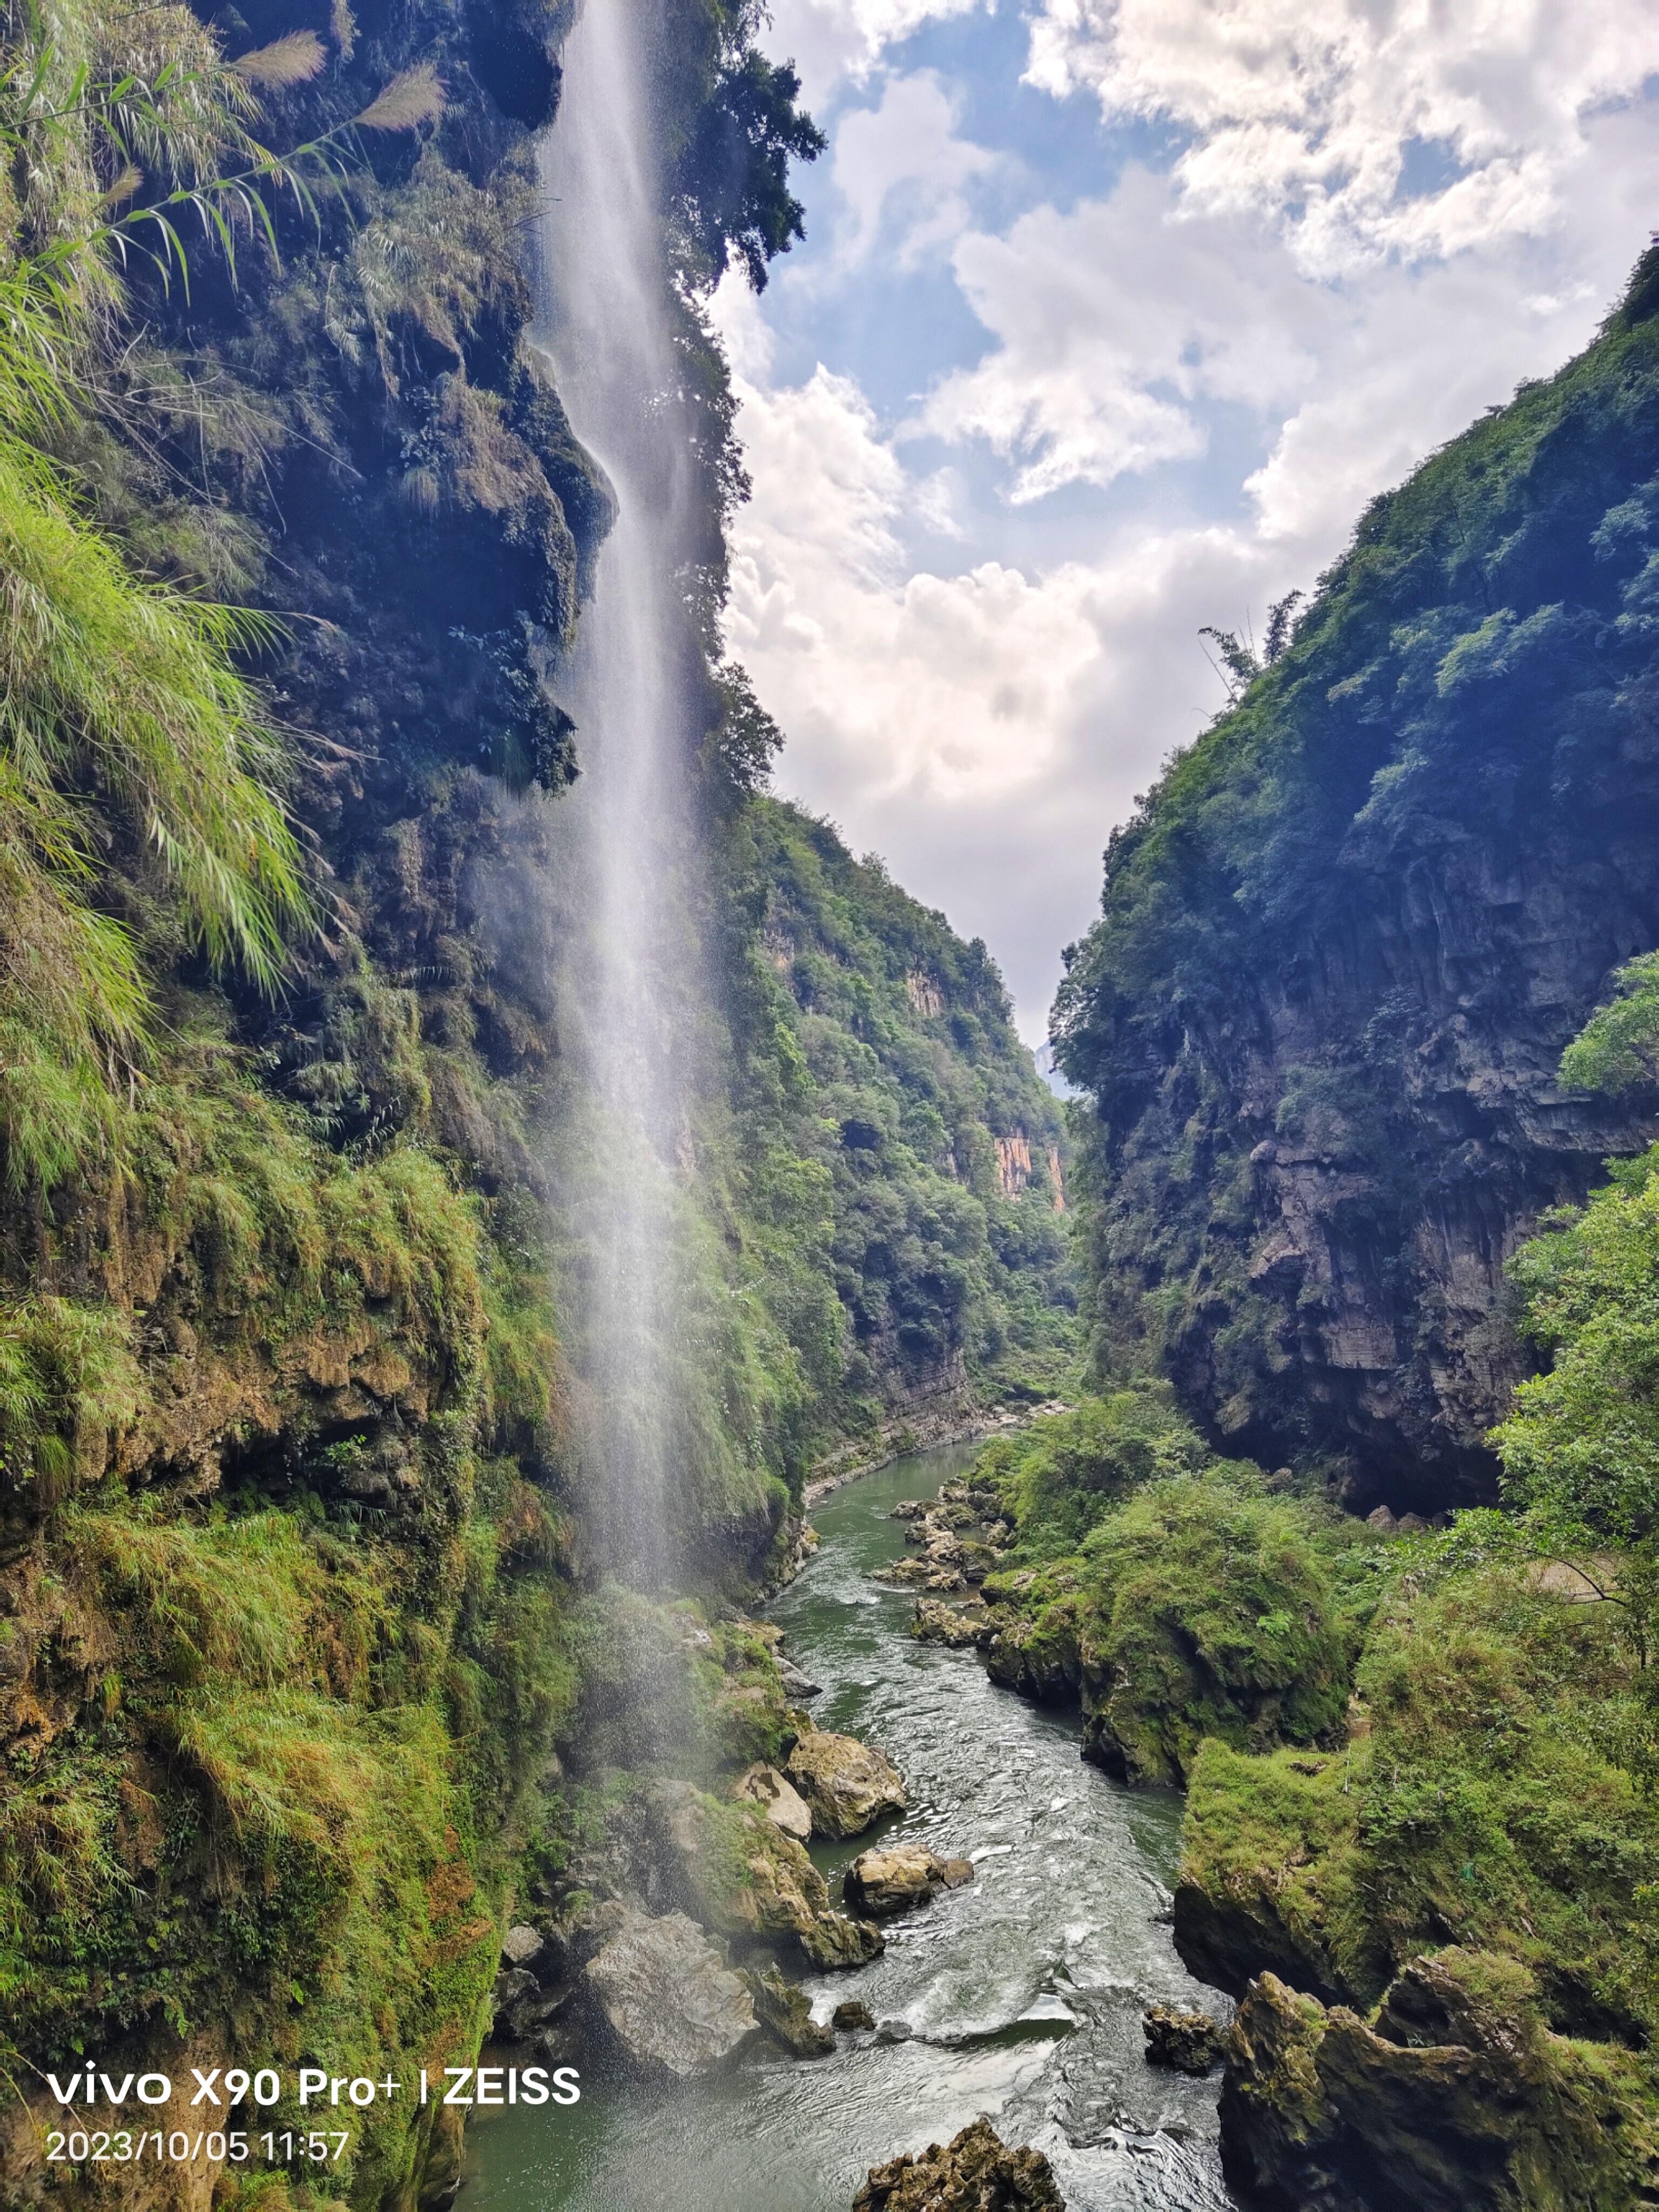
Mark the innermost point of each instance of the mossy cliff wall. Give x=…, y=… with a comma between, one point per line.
x=1346, y=936
x=295, y=1587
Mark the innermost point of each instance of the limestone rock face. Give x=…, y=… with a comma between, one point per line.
x=883, y=1882
x=669, y=1999
x=846, y=1784
x=1188, y=2041
x=782, y=1804
x=1457, y=2100
x=1040, y=1659
x=1227, y=1940
x=977, y=2173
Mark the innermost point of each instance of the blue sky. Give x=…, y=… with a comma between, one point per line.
x=1111, y=316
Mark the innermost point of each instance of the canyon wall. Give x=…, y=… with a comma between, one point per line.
x=1346, y=936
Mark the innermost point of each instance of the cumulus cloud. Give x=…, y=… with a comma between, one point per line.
x=1110, y=320
x=928, y=690
x=903, y=161
x=1308, y=112
x=833, y=40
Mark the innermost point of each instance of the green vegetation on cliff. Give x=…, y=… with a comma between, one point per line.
x=297, y=1594
x=1347, y=935
x=1178, y=1596
x=882, y=1065
x=1476, y=1866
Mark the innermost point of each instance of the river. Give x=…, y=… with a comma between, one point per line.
x=1019, y=1997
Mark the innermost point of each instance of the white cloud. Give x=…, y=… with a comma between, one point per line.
x=832, y=39
x=919, y=687
x=985, y=729
x=1111, y=321
x=902, y=160
x=1301, y=112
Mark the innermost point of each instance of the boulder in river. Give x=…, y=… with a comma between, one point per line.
x=846, y=1784
x=977, y=2173
x=883, y=1882
x=782, y=1804
x=935, y=1622
x=1188, y=2041
x=667, y=1996
x=783, y=2011
x=834, y=1939
x=849, y=2016
x=796, y=1687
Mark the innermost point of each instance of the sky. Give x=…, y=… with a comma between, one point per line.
x=1110, y=317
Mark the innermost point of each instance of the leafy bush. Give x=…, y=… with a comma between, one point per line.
x=1179, y=1596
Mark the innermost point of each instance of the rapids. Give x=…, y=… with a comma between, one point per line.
x=1019, y=1997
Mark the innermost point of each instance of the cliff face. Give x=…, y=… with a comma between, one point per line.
x=293, y=1513
x=1349, y=932
x=940, y=1142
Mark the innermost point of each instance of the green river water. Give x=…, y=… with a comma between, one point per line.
x=1019, y=1997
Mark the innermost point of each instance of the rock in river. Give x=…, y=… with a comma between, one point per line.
x=786, y=2016
x=1188, y=2041
x=977, y=2173
x=883, y=1882
x=846, y=1784
x=667, y=1996
x=782, y=1804
x=834, y=1940
x=1457, y=2097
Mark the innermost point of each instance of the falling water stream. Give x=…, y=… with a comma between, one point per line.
x=631, y=989
x=1020, y=1997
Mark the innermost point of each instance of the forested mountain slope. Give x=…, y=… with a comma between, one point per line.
x=295, y=1591
x=1346, y=936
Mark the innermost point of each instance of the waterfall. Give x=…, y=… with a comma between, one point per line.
x=631, y=988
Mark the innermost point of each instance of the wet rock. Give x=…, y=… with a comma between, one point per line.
x=850, y=2016
x=902, y=1571
x=669, y=1999
x=730, y=1864
x=882, y=1882
x=958, y=1873
x=512, y=1986
x=526, y=2019
x=908, y=1509
x=977, y=2172
x=836, y=1940
x=1188, y=2041
x=845, y=1784
x=522, y=1946
x=782, y=1804
x=798, y=1687
x=782, y=2009
x=935, y=1622
x=1457, y=2100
